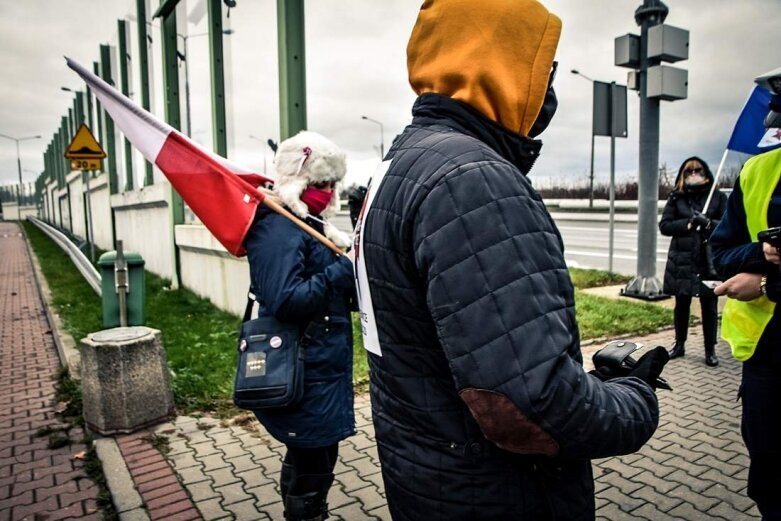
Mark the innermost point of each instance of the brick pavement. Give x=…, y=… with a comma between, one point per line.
x=36, y=482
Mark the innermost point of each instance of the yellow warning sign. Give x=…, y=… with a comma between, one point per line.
x=84, y=145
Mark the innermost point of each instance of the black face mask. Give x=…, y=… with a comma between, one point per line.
x=549, y=106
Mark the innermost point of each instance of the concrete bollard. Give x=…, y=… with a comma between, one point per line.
x=125, y=381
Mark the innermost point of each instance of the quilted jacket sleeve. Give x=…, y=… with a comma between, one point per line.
x=670, y=224
x=502, y=302
x=277, y=256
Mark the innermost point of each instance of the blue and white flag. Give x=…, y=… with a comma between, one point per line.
x=750, y=135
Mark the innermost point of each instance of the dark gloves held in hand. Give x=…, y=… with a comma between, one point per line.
x=340, y=273
x=699, y=221
x=648, y=368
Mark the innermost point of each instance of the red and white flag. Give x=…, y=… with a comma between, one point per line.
x=222, y=194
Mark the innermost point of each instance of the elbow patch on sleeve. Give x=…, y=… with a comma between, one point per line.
x=504, y=424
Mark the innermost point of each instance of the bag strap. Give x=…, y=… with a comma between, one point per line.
x=251, y=299
x=250, y=304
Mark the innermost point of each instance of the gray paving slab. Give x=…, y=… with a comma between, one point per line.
x=694, y=467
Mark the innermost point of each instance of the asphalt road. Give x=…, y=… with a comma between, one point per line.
x=586, y=244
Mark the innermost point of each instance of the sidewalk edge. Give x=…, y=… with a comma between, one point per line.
x=126, y=498
x=66, y=345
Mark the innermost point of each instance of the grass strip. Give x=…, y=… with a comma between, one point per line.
x=603, y=317
x=200, y=339
x=583, y=279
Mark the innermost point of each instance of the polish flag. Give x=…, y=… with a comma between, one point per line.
x=222, y=194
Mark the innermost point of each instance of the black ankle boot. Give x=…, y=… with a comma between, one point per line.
x=711, y=359
x=678, y=350
x=306, y=500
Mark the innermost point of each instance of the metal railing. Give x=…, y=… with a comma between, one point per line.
x=82, y=263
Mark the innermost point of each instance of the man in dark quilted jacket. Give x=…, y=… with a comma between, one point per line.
x=482, y=409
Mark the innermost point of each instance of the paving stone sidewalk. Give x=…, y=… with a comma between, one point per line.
x=694, y=468
x=36, y=482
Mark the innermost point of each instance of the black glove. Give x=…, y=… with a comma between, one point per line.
x=614, y=361
x=699, y=221
x=606, y=373
x=649, y=367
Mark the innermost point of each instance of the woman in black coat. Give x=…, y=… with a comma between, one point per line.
x=298, y=280
x=688, y=260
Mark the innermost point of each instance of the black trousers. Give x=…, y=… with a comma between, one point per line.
x=708, y=305
x=760, y=391
x=316, y=461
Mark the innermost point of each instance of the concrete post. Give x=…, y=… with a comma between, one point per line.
x=125, y=380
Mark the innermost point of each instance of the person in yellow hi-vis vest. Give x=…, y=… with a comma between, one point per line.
x=751, y=321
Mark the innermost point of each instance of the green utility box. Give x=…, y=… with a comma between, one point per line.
x=110, y=291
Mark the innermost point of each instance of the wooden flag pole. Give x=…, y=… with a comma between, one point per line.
x=277, y=207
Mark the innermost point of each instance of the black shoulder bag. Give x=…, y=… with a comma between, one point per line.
x=270, y=368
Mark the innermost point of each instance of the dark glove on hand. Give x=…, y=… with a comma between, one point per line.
x=605, y=373
x=340, y=273
x=700, y=221
x=649, y=367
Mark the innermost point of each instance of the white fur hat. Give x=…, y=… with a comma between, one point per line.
x=311, y=156
x=305, y=159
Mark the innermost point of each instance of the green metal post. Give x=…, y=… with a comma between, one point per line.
x=64, y=142
x=172, y=116
x=219, y=136
x=88, y=112
x=292, y=67
x=111, y=153
x=125, y=85
x=79, y=108
x=71, y=130
x=143, y=64
x=98, y=111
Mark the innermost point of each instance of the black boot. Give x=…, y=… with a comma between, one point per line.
x=678, y=350
x=711, y=359
x=306, y=498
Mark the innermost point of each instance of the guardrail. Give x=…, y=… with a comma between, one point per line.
x=82, y=263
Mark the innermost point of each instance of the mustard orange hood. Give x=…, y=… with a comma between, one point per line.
x=495, y=55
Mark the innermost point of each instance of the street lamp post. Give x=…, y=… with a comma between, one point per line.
x=185, y=58
x=265, y=142
x=382, y=135
x=19, y=167
x=591, y=174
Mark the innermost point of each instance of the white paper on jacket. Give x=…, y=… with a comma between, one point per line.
x=371, y=340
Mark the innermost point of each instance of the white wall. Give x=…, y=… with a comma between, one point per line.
x=143, y=223
x=78, y=227
x=209, y=270
x=101, y=212
x=11, y=211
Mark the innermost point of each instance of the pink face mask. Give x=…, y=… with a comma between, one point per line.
x=316, y=199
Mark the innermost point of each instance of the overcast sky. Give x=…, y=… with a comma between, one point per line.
x=356, y=65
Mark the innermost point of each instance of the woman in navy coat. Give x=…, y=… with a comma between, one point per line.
x=298, y=280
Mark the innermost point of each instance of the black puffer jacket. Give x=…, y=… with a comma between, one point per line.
x=481, y=406
x=687, y=258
